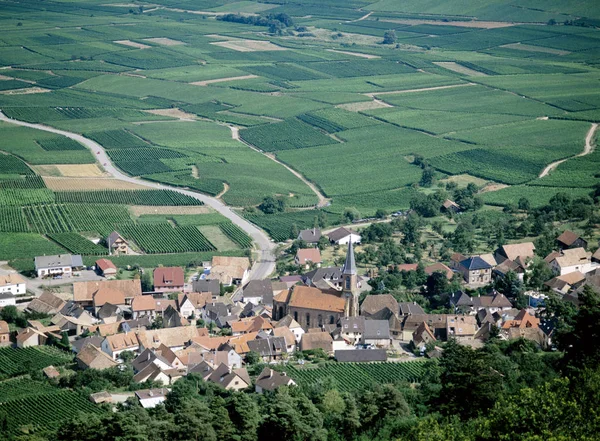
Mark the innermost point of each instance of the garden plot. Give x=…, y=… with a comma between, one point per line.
x=249, y=45
x=165, y=41
x=459, y=68
x=365, y=105
x=173, y=113
x=132, y=44
x=69, y=170
x=72, y=184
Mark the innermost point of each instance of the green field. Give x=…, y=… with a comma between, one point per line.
x=498, y=101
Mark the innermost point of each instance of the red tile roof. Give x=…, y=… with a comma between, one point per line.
x=168, y=277
x=105, y=264
x=308, y=255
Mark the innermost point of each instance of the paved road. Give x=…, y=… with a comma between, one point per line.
x=264, y=265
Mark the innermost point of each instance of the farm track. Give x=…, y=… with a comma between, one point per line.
x=323, y=201
x=587, y=149
x=264, y=265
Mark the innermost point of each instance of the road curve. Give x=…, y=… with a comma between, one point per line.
x=264, y=265
x=587, y=149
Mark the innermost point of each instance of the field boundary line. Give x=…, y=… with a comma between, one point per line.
x=587, y=149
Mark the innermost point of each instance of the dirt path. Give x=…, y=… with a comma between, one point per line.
x=265, y=263
x=225, y=190
x=587, y=149
x=364, y=17
x=424, y=89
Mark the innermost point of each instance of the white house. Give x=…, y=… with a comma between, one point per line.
x=7, y=299
x=571, y=260
x=12, y=283
x=342, y=236
x=113, y=345
x=352, y=329
x=293, y=326
x=61, y=265
x=150, y=398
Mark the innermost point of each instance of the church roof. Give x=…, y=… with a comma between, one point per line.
x=349, y=265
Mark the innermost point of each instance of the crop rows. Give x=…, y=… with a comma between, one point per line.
x=148, y=167
x=59, y=144
x=27, y=196
x=280, y=226
x=11, y=165
x=23, y=182
x=19, y=361
x=65, y=218
x=12, y=220
x=117, y=139
x=127, y=197
x=77, y=244
x=17, y=388
x=44, y=411
x=320, y=122
x=236, y=234
x=143, y=154
x=353, y=376
x=162, y=238
x=290, y=134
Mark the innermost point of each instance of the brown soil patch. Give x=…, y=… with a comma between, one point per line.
x=28, y=91
x=493, y=187
x=89, y=184
x=249, y=45
x=459, y=68
x=364, y=105
x=132, y=44
x=222, y=80
x=165, y=41
x=69, y=170
x=465, y=179
x=462, y=24
x=531, y=48
x=174, y=113
x=138, y=210
x=355, y=54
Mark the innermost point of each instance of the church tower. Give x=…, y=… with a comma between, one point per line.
x=350, y=284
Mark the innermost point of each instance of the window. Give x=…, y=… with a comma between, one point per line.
x=347, y=282
x=331, y=320
x=307, y=320
x=296, y=315
x=320, y=320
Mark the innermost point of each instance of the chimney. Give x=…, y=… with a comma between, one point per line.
x=270, y=373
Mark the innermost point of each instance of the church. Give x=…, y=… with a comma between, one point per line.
x=313, y=307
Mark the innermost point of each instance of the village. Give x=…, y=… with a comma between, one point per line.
x=221, y=323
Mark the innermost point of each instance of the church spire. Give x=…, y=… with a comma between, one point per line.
x=350, y=265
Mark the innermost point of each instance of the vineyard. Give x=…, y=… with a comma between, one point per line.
x=280, y=226
x=127, y=197
x=20, y=361
x=77, y=244
x=59, y=143
x=143, y=154
x=43, y=411
x=117, y=139
x=23, y=182
x=18, y=388
x=25, y=196
x=12, y=220
x=349, y=377
x=13, y=165
x=163, y=238
x=236, y=234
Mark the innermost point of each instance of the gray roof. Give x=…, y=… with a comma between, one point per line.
x=211, y=286
x=475, y=263
x=78, y=345
x=6, y=295
x=360, y=355
x=353, y=324
x=459, y=298
x=377, y=329
x=269, y=379
x=328, y=273
x=268, y=347
x=340, y=233
x=107, y=310
x=410, y=308
x=151, y=393
x=61, y=260
x=350, y=265
x=259, y=288
x=310, y=236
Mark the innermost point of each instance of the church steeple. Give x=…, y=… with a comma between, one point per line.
x=350, y=283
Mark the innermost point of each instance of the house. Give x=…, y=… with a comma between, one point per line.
x=360, y=355
x=507, y=266
x=230, y=379
x=311, y=236
x=342, y=236
x=571, y=260
x=379, y=306
x=534, y=334
x=422, y=336
x=476, y=271
x=51, y=372
x=101, y=397
x=563, y=284
x=309, y=306
x=461, y=302
x=493, y=303
x=212, y=311
x=409, y=308
x=108, y=295
x=489, y=258
x=270, y=348
x=522, y=320
x=568, y=240
x=292, y=280
x=435, y=322
x=439, y=268
x=91, y=357
x=117, y=245
x=106, y=268
x=84, y=292
x=289, y=337
x=270, y=380
x=203, y=285
x=226, y=355
x=4, y=333
x=450, y=207
x=168, y=279
x=258, y=291
x=62, y=265
x=191, y=303
x=46, y=303
x=455, y=261
x=308, y=256
x=289, y=322
x=31, y=337
x=516, y=252
x=230, y=270
x=171, y=318
x=173, y=338
x=249, y=325
x=7, y=299
x=484, y=317
x=352, y=329
x=317, y=340
x=204, y=369
x=143, y=306
x=596, y=256
x=377, y=333
x=113, y=345
x=462, y=328
x=12, y=283
x=150, y=398
x=78, y=345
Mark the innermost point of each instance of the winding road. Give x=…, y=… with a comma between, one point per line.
x=587, y=149
x=263, y=266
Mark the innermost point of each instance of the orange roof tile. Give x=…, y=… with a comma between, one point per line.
x=313, y=298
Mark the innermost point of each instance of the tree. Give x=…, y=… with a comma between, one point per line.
x=253, y=357
x=146, y=281
x=509, y=285
x=410, y=229
x=323, y=243
x=437, y=289
x=539, y=272
x=271, y=205
x=350, y=214
x=381, y=214
x=462, y=238
x=524, y=204
x=9, y=313
x=245, y=415
x=389, y=37
x=427, y=177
